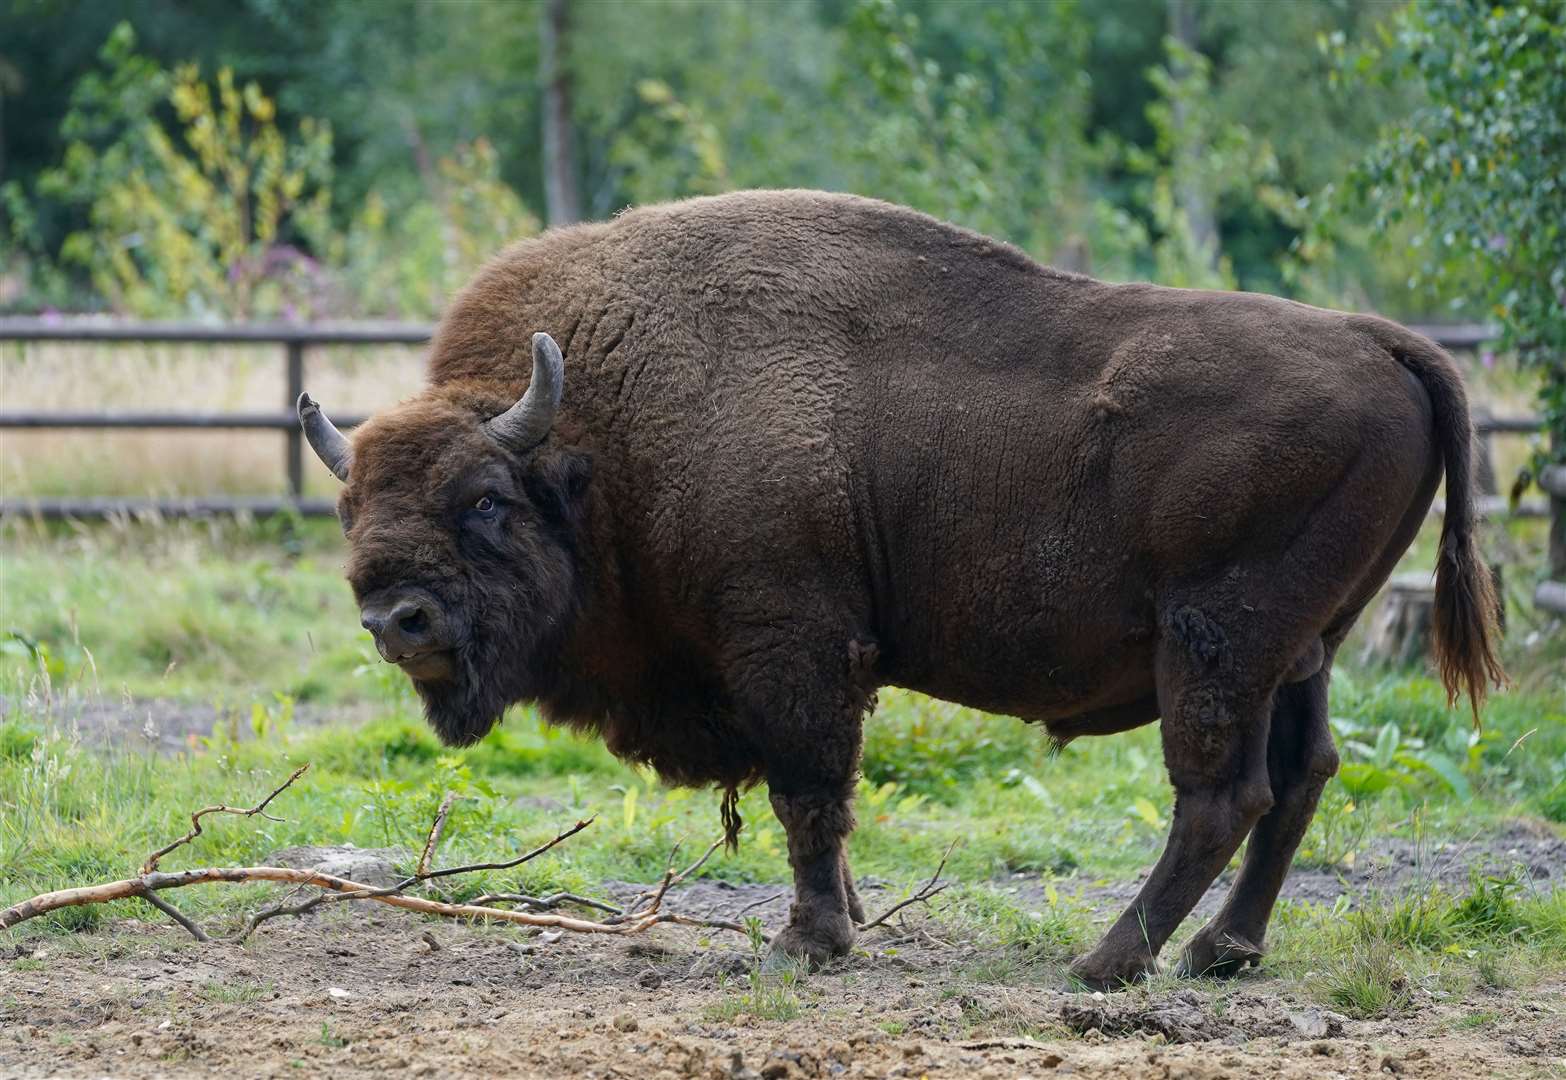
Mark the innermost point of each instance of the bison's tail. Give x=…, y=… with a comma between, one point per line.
x=1467, y=611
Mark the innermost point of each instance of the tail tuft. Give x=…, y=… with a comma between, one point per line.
x=1466, y=623
x=1467, y=611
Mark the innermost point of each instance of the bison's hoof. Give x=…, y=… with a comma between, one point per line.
x=811, y=944
x=1110, y=971
x=1217, y=954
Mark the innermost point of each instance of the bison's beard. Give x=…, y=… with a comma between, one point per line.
x=495, y=668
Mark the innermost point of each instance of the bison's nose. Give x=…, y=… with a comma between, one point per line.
x=403, y=626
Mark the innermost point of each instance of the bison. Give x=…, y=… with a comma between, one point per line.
x=803, y=445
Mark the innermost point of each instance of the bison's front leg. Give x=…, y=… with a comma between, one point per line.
x=807, y=714
x=821, y=922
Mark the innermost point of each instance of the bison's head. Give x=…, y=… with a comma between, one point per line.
x=463, y=528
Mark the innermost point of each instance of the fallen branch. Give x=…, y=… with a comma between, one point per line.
x=645, y=912
x=546, y=903
x=926, y=891
x=156, y=881
x=195, y=819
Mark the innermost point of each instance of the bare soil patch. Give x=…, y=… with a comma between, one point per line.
x=374, y=995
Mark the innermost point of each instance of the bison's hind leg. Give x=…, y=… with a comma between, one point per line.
x=1300, y=761
x=1215, y=696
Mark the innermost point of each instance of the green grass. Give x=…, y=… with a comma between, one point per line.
x=238, y=992
x=257, y=621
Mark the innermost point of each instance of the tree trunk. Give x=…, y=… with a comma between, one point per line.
x=1193, y=199
x=562, y=198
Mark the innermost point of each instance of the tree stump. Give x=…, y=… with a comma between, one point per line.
x=1400, y=634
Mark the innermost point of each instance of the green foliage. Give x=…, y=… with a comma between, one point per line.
x=1477, y=166
x=966, y=138
x=363, y=162
x=196, y=224
x=408, y=261
x=1199, y=155
x=935, y=749
x=199, y=204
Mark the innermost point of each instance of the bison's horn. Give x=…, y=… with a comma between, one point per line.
x=329, y=444
x=524, y=425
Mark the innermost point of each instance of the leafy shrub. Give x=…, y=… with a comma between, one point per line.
x=932, y=748
x=204, y=222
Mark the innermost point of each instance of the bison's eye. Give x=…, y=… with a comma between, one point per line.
x=485, y=507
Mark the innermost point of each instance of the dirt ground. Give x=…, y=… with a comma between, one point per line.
x=373, y=993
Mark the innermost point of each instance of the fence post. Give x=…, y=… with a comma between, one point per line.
x=294, y=447
x=1551, y=594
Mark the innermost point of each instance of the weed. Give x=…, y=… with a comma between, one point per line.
x=767, y=996
x=237, y=992
x=1483, y=1018
x=1489, y=909
x=1366, y=981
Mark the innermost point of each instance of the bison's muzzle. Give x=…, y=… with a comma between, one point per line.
x=410, y=631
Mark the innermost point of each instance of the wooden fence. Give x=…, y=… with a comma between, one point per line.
x=294, y=340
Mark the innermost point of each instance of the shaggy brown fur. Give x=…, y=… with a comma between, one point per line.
x=813, y=444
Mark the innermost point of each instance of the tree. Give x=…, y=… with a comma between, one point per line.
x=562, y=198
x=1478, y=168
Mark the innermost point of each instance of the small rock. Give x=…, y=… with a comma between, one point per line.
x=1309, y=1023
x=337, y=993
x=625, y=1022
x=367, y=866
x=719, y=962
x=549, y=937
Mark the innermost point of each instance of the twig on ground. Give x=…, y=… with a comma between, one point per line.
x=159, y=880
x=754, y=904
x=178, y=916
x=926, y=891
x=195, y=819
x=546, y=903
x=436, y=827
x=563, y=835
x=1007, y=1044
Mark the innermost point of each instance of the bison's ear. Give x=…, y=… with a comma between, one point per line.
x=557, y=485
